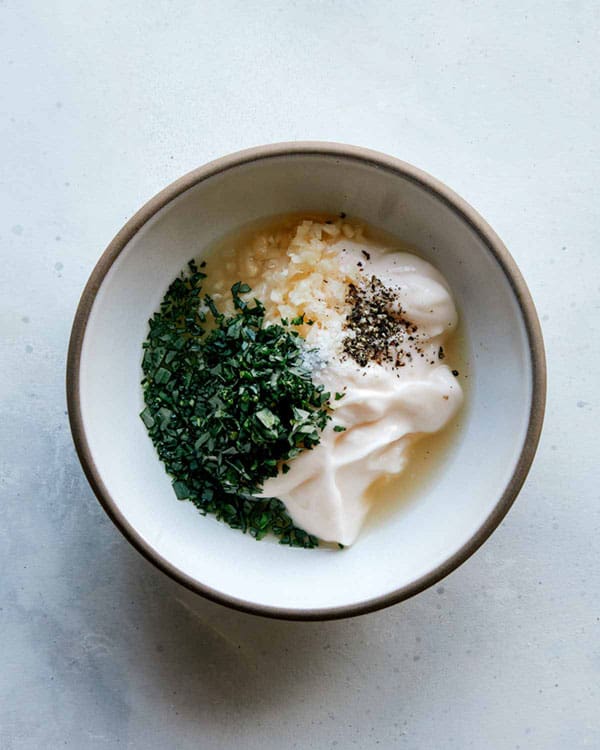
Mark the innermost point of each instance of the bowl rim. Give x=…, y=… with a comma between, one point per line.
x=381, y=161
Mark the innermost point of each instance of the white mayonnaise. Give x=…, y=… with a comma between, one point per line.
x=384, y=409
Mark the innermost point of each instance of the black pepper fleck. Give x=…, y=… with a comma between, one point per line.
x=376, y=324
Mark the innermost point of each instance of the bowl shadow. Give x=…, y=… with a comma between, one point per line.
x=242, y=664
x=201, y=656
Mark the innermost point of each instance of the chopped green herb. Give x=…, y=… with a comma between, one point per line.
x=147, y=418
x=338, y=396
x=181, y=490
x=339, y=428
x=227, y=402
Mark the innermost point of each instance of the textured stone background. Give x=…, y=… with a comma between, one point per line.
x=106, y=102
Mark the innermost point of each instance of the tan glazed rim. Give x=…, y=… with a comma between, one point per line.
x=381, y=161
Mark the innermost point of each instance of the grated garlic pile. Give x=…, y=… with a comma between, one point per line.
x=294, y=270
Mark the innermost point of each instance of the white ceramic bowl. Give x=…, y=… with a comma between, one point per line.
x=424, y=540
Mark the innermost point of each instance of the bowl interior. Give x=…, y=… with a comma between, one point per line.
x=420, y=536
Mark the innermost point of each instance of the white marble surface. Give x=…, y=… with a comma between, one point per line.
x=106, y=102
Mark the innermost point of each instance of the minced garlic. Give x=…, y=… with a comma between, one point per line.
x=295, y=270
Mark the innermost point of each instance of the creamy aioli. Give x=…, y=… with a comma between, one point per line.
x=384, y=409
x=305, y=266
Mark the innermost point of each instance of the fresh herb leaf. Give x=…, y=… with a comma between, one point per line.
x=181, y=490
